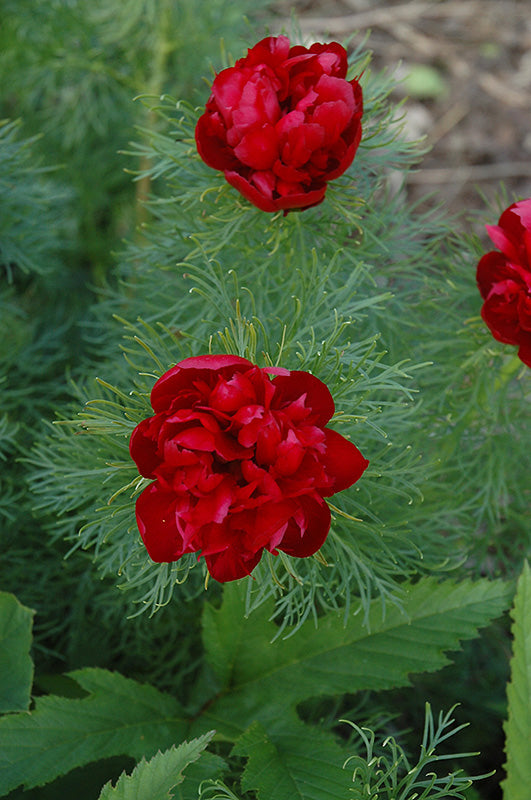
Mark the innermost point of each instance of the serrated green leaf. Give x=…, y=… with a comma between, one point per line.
x=16, y=666
x=119, y=717
x=209, y=767
x=260, y=679
x=223, y=633
x=517, y=728
x=299, y=764
x=156, y=778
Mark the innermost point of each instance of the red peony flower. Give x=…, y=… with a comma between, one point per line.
x=504, y=279
x=282, y=123
x=240, y=462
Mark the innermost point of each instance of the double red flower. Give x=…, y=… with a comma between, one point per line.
x=240, y=463
x=504, y=279
x=282, y=123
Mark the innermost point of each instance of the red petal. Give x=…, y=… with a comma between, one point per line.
x=210, y=139
x=523, y=211
x=297, y=383
x=352, y=137
x=212, y=361
x=231, y=565
x=500, y=239
x=143, y=449
x=332, y=57
x=491, y=269
x=252, y=193
x=227, y=90
x=156, y=518
x=524, y=352
x=258, y=149
x=303, y=540
x=501, y=319
x=167, y=386
x=343, y=461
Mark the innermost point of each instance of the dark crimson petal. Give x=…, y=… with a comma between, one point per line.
x=269, y=525
x=252, y=193
x=332, y=56
x=211, y=144
x=156, y=512
x=258, y=149
x=318, y=397
x=524, y=310
x=213, y=361
x=299, y=200
x=231, y=394
x=333, y=118
x=301, y=142
x=227, y=91
x=177, y=378
x=306, y=535
x=276, y=370
x=230, y=565
x=212, y=507
x=524, y=351
x=499, y=238
x=333, y=90
x=272, y=50
x=343, y=462
x=195, y=439
x=265, y=183
x=143, y=449
x=522, y=210
x=353, y=137
x=258, y=105
x=501, y=319
x=492, y=267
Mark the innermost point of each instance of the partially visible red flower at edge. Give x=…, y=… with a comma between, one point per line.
x=240, y=462
x=282, y=123
x=504, y=279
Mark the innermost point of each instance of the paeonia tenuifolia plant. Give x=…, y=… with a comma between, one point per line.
x=303, y=469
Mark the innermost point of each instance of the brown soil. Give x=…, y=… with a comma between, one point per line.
x=477, y=116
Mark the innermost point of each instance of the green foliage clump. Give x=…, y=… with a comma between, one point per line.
x=248, y=692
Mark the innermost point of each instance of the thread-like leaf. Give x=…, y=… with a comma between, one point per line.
x=16, y=666
x=119, y=717
x=156, y=778
x=517, y=785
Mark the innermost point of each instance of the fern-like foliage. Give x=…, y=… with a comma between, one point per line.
x=385, y=772
x=302, y=291
x=30, y=193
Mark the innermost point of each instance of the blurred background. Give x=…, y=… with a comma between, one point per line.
x=465, y=69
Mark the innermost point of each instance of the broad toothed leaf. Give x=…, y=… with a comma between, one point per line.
x=155, y=779
x=258, y=677
x=16, y=666
x=119, y=717
x=517, y=785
